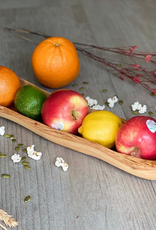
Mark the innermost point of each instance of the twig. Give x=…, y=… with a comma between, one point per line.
x=27, y=32
x=27, y=39
x=135, y=72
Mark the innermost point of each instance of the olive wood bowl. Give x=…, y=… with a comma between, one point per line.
x=138, y=167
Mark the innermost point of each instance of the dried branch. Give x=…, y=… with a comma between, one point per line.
x=27, y=32
x=134, y=71
x=8, y=219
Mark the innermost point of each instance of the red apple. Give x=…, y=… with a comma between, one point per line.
x=137, y=137
x=64, y=110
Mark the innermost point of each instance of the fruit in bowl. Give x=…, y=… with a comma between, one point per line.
x=28, y=101
x=100, y=127
x=137, y=137
x=64, y=110
x=9, y=84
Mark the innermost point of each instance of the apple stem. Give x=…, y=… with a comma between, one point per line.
x=73, y=114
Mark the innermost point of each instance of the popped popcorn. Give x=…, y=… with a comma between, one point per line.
x=92, y=103
x=137, y=106
x=98, y=107
x=65, y=166
x=143, y=109
x=2, y=130
x=32, y=153
x=16, y=158
x=30, y=149
x=112, y=101
x=60, y=162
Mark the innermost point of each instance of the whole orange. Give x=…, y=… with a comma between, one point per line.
x=9, y=84
x=55, y=62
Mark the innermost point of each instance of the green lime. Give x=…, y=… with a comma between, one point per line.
x=29, y=100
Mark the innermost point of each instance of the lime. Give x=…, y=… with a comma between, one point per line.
x=100, y=127
x=28, y=101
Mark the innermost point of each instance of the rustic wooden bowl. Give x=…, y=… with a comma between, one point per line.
x=138, y=167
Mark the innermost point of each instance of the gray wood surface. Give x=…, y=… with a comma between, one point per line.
x=91, y=195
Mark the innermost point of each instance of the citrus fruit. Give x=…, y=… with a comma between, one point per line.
x=55, y=62
x=29, y=100
x=100, y=127
x=9, y=84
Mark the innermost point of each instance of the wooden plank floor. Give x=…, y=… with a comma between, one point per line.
x=91, y=195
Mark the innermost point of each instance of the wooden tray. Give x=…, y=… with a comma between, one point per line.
x=138, y=167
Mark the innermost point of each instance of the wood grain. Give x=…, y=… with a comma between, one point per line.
x=92, y=194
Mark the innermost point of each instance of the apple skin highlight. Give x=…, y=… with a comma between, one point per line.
x=66, y=108
x=135, y=138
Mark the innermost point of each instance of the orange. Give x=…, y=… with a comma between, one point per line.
x=9, y=84
x=55, y=62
